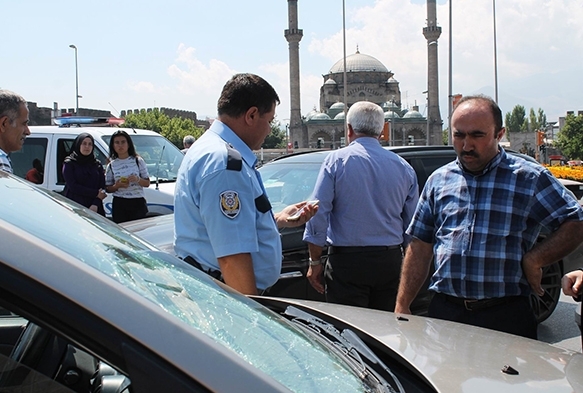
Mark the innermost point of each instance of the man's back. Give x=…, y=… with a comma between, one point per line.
x=373, y=194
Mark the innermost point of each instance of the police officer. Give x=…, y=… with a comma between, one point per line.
x=223, y=220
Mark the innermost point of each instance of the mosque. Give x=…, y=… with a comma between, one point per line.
x=366, y=79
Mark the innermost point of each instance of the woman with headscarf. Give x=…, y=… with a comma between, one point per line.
x=84, y=175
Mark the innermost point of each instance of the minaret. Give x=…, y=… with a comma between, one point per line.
x=293, y=35
x=432, y=33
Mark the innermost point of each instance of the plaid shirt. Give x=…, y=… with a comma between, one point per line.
x=5, y=164
x=482, y=225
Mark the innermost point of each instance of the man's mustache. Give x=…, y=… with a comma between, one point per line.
x=469, y=153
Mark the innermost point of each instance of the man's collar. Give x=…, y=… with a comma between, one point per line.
x=229, y=136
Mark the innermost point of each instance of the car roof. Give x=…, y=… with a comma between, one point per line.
x=95, y=131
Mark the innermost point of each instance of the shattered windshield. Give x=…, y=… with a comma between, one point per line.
x=264, y=339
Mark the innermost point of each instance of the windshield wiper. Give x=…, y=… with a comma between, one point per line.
x=350, y=343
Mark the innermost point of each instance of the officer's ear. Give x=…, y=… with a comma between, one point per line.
x=500, y=133
x=251, y=115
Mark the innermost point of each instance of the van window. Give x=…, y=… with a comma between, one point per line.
x=64, y=146
x=162, y=158
x=22, y=160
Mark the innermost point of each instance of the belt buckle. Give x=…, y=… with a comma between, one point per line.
x=468, y=303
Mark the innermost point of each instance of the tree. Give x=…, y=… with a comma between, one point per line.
x=276, y=139
x=570, y=138
x=516, y=120
x=174, y=129
x=537, y=121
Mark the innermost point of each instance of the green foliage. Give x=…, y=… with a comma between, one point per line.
x=570, y=138
x=276, y=139
x=516, y=120
x=537, y=121
x=174, y=129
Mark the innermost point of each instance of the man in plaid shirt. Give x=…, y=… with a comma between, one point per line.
x=479, y=218
x=13, y=126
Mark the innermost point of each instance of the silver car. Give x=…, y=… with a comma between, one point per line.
x=101, y=310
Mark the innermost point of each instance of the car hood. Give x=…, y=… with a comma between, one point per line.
x=460, y=358
x=158, y=230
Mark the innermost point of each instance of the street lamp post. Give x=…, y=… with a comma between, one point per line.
x=76, y=81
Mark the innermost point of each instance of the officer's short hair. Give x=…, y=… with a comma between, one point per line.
x=244, y=91
x=10, y=104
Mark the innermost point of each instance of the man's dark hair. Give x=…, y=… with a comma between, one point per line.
x=494, y=108
x=244, y=91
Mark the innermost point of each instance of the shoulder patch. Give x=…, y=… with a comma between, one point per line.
x=230, y=204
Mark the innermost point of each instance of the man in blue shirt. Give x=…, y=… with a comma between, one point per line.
x=223, y=219
x=367, y=196
x=479, y=218
x=13, y=126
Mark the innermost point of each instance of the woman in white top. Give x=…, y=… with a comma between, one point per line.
x=126, y=176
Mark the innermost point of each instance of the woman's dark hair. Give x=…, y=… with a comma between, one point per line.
x=131, y=148
x=244, y=91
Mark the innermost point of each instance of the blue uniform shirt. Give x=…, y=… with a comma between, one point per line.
x=482, y=225
x=215, y=209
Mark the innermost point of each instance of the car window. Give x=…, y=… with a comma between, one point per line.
x=162, y=158
x=425, y=165
x=22, y=160
x=286, y=183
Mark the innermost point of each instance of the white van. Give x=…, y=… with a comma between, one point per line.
x=51, y=144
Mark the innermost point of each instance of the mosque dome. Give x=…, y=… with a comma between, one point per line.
x=339, y=116
x=413, y=114
x=330, y=81
x=335, y=109
x=311, y=113
x=358, y=62
x=320, y=116
x=391, y=115
x=392, y=80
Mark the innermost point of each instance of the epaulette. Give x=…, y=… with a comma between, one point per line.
x=234, y=159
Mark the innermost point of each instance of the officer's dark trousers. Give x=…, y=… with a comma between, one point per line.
x=363, y=278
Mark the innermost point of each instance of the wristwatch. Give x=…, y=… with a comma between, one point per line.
x=314, y=263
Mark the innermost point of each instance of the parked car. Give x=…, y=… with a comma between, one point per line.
x=107, y=312
x=291, y=179
x=51, y=144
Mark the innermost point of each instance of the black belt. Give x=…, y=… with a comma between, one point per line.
x=216, y=274
x=349, y=250
x=475, y=304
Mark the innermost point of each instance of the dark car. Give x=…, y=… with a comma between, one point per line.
x=291, y=179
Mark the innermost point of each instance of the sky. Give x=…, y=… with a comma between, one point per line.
x=179, y=53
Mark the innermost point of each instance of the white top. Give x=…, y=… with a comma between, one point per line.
x=127, y=167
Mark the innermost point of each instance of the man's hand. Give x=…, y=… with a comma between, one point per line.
x=315, y=276
x=399, y=309
x=308, y=212
x=534, y=275
x=572, y=283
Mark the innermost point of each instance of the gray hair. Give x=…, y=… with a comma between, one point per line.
x=366, y=118
x=10, y=104
x=188, y=140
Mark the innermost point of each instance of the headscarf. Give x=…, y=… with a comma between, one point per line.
x=76, y=155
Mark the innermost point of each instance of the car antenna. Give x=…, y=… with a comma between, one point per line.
x=158, y=165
